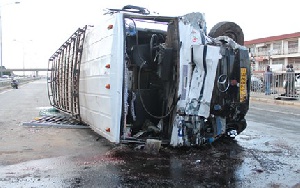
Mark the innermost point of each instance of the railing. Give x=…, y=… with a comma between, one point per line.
x=262, y=53
x=292, y=50
x=63, y=85
x=276, y=52
x=6, y=82
x=283, y=85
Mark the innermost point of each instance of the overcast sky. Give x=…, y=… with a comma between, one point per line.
x=34, y=29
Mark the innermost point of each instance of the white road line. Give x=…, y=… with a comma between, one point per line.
x=5, y=91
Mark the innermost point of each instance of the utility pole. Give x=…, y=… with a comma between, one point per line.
x=1, y=54
x=23, y=43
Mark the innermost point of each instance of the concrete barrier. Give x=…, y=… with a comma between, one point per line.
x=5, y=83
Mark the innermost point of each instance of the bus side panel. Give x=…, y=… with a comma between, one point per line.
x=117, y=75
x=100, y=85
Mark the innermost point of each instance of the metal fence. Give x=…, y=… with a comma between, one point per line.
x=276, y=85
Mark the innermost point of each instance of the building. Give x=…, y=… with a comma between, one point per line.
x=276, y=51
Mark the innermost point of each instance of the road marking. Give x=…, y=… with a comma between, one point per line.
x=275, y=111
x=4, y=92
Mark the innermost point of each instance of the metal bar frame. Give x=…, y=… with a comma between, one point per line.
x=63, y=74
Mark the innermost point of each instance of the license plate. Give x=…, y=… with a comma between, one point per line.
x=243, y=85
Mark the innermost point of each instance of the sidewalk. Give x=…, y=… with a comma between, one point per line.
x=271, y=99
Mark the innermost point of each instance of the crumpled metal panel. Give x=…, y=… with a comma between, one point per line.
x=203, y=78
x=189, y=36
x=197, y=82
x=212, y=60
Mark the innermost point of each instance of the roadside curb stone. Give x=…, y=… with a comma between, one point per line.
x=281, y=102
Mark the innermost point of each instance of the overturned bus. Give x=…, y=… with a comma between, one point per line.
x=136, y=76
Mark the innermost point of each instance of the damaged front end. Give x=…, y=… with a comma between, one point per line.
x=180, y=85
x=216, y=97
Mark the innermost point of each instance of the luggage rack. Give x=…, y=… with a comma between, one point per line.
x=63, y=74
x=54, y=118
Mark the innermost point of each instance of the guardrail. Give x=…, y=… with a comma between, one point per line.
x=6, y=82
x=281, y=85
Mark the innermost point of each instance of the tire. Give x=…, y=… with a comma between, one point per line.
x=229, y=29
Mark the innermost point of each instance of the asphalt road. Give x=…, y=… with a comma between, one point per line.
x=266, y=154
x=278, y=116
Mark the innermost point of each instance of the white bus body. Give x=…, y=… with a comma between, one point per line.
x=138, y=76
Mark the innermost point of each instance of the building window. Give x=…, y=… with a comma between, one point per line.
x=278, y=61
x=263, y=65
x=263, y=51
x=292, y=47
x=276, y=48
x=252, y=51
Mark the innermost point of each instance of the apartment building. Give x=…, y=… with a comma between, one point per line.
x=276, y=51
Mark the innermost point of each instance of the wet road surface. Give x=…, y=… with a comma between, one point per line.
x=266, y=154
x=123, y=166
x=263, y=161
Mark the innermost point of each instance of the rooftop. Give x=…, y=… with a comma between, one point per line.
x=272, y=38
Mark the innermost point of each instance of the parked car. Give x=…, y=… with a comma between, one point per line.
x=5, y=76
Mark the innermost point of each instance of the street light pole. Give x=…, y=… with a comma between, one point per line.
x=1, y=54
x=23, y=60
x=23, y=43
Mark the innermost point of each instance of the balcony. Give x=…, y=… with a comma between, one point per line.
x=262, y=53
x=276, y=52
x=292, y=50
